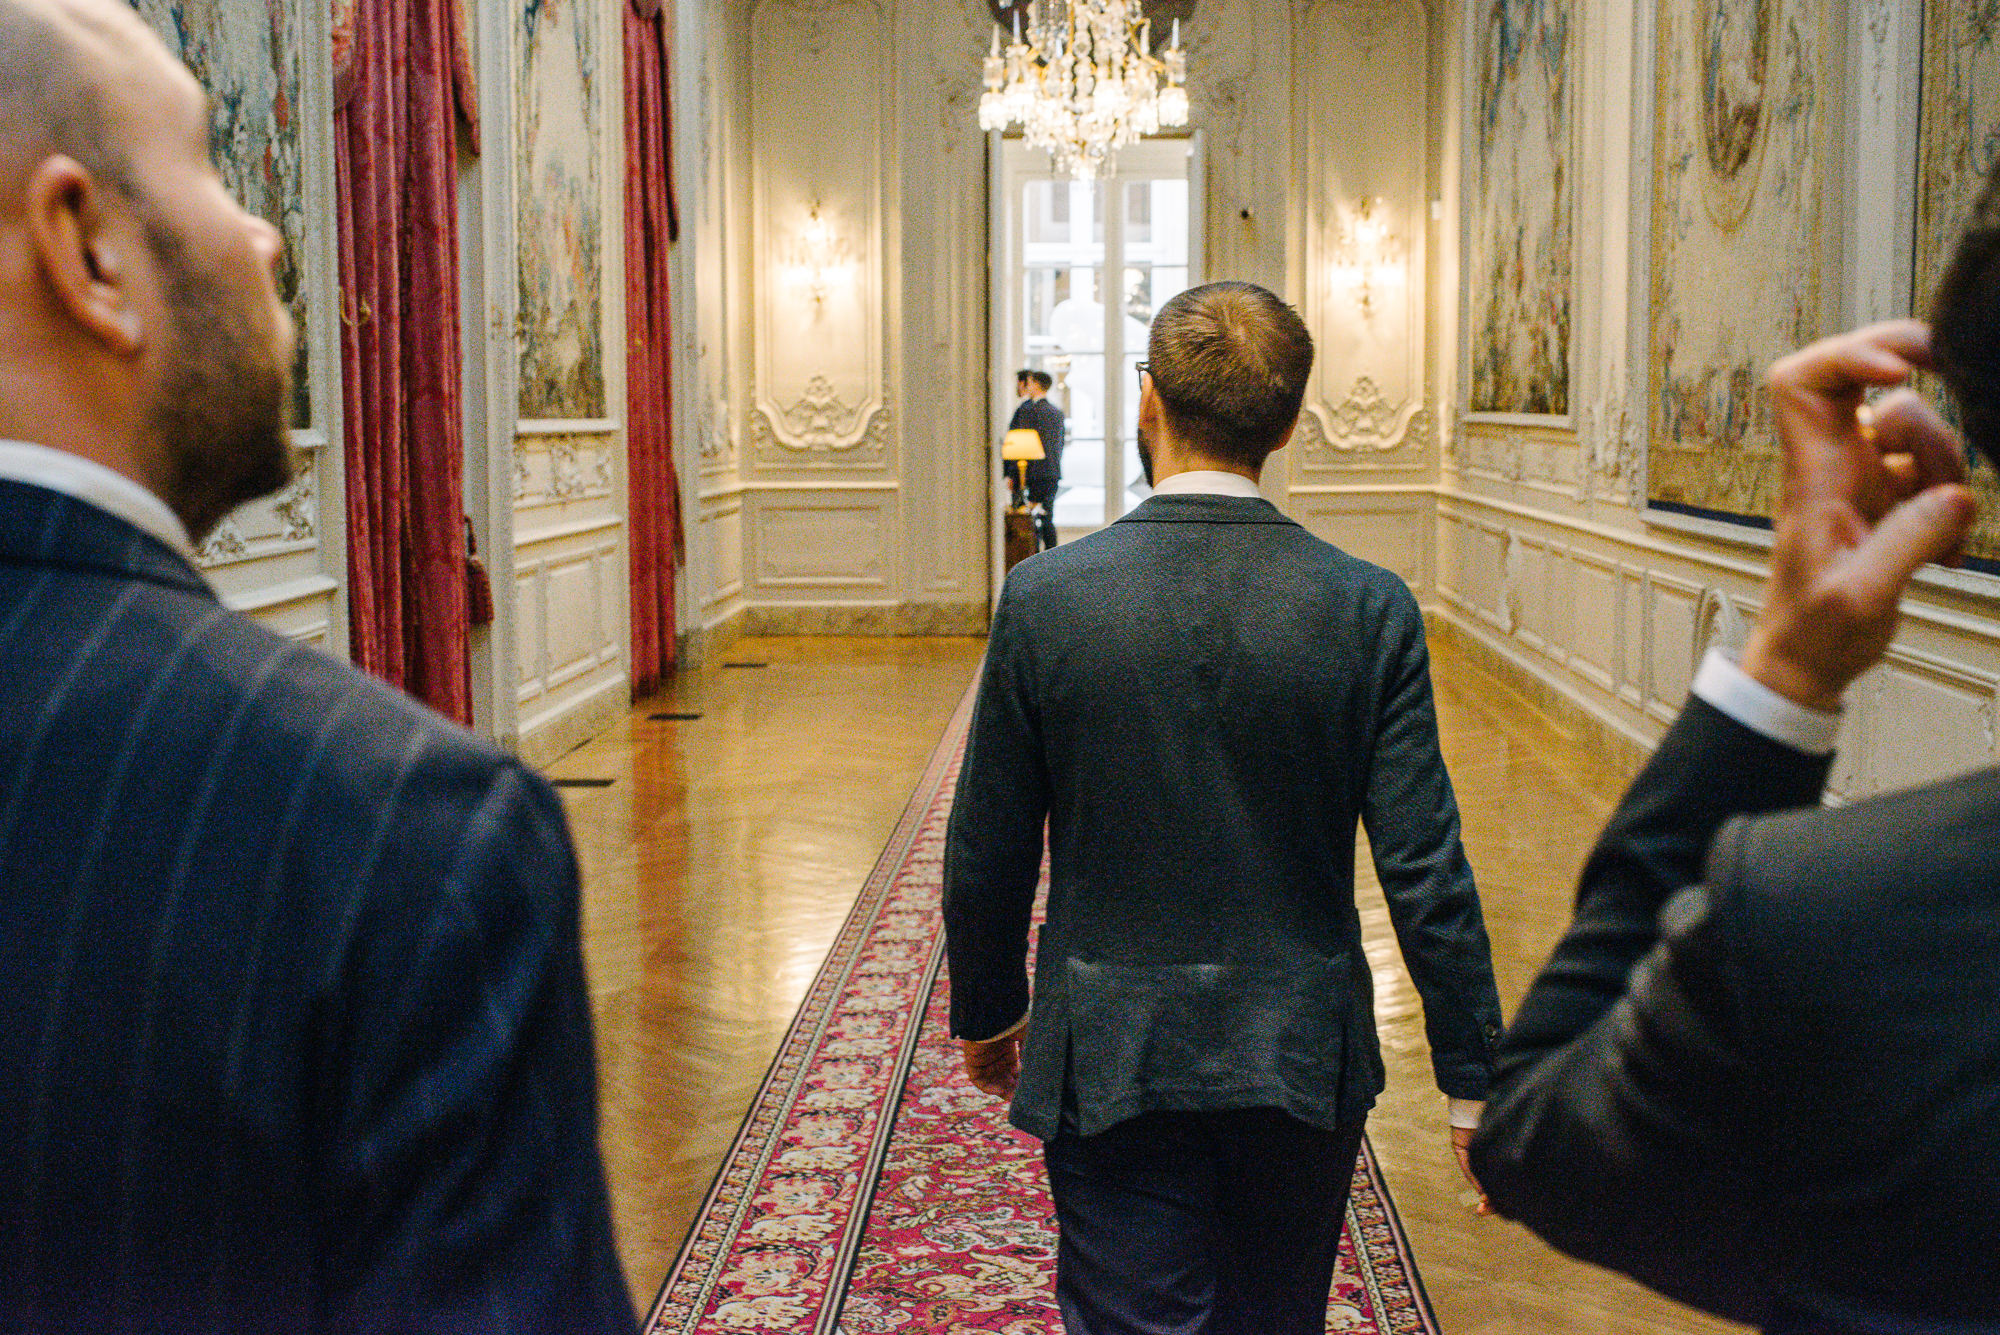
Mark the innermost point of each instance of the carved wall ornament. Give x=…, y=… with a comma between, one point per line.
x=772, y=441
x=565, y=477
x=550, y=470
x=225, y=543
x=1309, y=439
x=1365, y=420
x=820, y=420
x=1609, y=438
x=297, y=507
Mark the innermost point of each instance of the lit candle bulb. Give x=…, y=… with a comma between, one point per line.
x=1177, y=35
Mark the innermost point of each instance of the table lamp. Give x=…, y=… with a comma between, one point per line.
x=1022, y=444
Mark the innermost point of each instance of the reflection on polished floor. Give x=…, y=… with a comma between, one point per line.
x=721, y=860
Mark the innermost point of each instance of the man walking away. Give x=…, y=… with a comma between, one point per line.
x=1200, y=701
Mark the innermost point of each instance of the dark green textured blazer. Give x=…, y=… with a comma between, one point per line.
x=1201, y=701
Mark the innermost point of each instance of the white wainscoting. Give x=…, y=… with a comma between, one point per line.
x=1615, y=621
x=1394, y=528
x=571, y=581
x=282, y=560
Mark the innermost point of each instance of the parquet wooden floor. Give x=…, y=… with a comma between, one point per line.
x=727, y=850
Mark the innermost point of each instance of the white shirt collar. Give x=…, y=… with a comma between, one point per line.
x=1206, y=482
x=94, y=484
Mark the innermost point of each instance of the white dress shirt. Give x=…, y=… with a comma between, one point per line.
x=94, y=484
x=1207, y=482
x=1722, y=682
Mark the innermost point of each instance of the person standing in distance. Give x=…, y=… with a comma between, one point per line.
x=1038, y=414
x=1200, y=701
x=293, y=1028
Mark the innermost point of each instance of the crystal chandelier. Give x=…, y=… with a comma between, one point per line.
x=1082, y=81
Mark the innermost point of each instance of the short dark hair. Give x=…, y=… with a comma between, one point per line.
x=1229, y=362
x=1023, y=374
x=1965, y=324
x=1043, y=378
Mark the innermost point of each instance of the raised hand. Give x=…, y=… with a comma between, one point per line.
x=1872, y=492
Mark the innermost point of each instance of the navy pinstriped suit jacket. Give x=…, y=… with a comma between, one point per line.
x=293, y=1028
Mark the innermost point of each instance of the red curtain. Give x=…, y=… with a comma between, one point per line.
x=402, y=85
x=651, y=226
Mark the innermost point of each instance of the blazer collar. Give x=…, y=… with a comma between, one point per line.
x=1206, y=508
x=48, y=528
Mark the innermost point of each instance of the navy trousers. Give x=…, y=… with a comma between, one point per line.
x=1200, y=1223
x=1044, y=495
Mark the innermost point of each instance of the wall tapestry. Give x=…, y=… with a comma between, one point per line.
x=1519, y=245
x=560, y=213
x=247, y=57
x=1740, y=257
x=1958, y=144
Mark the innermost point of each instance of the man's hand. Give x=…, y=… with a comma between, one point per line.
x=1461, y=1144
x=1870, y=495
x=993, y=1067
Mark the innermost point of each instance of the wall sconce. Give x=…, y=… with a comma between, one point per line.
x=1366, y=259
x=820, y=259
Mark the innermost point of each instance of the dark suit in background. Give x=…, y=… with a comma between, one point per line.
x=1201, y=701
x=1775, y=1096
x=293, y=1028
x=1045, y=474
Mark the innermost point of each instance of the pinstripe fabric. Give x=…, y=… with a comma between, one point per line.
x=293, y=1028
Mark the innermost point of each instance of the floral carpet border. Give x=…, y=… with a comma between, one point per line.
x=778, y=1237
x=796, y=1182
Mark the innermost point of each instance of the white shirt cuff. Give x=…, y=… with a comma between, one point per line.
x=1008, y=1032
x=1464, y=1113
x=1722, y=682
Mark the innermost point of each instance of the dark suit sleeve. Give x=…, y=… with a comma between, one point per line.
x=1623, y=1107
x=993, y=848
x=465, y=1187
x=1413, y=831
x=1054, y=428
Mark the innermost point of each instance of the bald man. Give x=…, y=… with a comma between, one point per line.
x=293, y=1028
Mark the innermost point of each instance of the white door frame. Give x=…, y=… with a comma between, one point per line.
x=1011, y=164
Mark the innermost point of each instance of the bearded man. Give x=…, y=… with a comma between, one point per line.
x=293, y=1029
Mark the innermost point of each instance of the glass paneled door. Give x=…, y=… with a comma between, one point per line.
x=1079, y=267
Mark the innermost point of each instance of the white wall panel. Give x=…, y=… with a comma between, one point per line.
x=1486, y=580
x=1396, y=539
x=574, y=614
x=1559, y=605
x=531, y=636
x=1598, y=620
x=1528, y=590
x=1674, y=607
x=1928, y=722
x=823, y=544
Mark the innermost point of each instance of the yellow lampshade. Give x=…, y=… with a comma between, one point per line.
x=1022, y=443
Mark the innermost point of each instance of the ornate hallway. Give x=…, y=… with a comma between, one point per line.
x=726, y=849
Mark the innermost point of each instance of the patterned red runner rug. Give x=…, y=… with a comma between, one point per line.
x=871, y=1189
